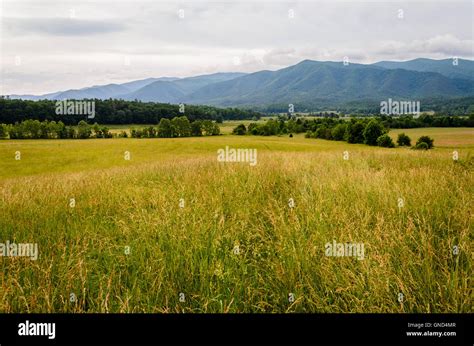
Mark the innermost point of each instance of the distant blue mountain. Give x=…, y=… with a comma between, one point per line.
x=164, y=89
x=309, y=82
x=175, y=91
x=461, y=68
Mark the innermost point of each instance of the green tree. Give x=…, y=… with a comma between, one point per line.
x=97, y=130
x=253, y=129
x=240, y=130
x=373, y=130
x=403, y=139
x=385, y=141
x=421, y=146
x=355, y=132
x=61, y=130
x=182, y=126
x=338, y=132
x=196, y=128
x=271, y=128
x=425, y=139
x=165, y=128
x=3, y=131
x=210, y=128
x=83, y=130
x=105, y=132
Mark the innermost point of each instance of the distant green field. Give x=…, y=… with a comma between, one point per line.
x=462, y=137
x=174, y=230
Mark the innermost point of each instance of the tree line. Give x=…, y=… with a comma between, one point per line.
x=176, y=127
x=35, y=129
x=425, y=120
x=117, y=112
x=442, y=106
x=370, y=131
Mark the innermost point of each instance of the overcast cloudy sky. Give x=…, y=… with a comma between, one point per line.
x=52, y=45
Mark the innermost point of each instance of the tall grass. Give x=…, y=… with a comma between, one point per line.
x=191, y=250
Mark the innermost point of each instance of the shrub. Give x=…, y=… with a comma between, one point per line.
x=271, y=128
x=385, y=141
x=425, y=139
x=321, y=132
x=403, y=139
x=240, y=130
x=210, y=128
x=253, y=129
x=338, y=132
x=422, y=146
x=84, y=130
x=372, y=132
x=182, y=126
x=355, y=132
x=196, y=128
x=165, y=129
x=3, y=131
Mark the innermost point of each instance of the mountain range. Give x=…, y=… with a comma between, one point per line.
x=309, y=82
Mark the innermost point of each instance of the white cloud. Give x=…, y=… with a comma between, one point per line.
x=73, y=44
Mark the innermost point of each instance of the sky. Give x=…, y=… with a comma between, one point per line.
x=52, y=45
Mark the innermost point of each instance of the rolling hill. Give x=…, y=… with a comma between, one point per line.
x=464, y=68
x=313, y=83
x=310, y=81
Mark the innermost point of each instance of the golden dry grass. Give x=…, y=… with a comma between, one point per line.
x=190, y=250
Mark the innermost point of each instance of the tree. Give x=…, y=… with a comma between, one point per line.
x=338, y=132
x=355, y=132
x=70, y=132
x=105, y=132
x=403, y=139
x=271, y=128
x=83, y=130
x=240, y=130
x=253, y=129
x=3, y=131
x=182, y=126
x=385, y=141
x=196, y=128
x=373, y=130
x=321, y=132
x=97, y=131
x=30, y=129
x=421, y=146
x=61, y=130
x=165, y=129
x=292, y=126
x=425, y=139
x=210, y=128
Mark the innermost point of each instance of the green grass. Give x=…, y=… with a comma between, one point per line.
x=461, y=137
x=189, y=250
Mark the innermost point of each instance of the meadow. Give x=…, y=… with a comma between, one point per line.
x=174, y=230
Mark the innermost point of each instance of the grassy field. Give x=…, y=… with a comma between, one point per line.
x=444, y=137
x=174, y=230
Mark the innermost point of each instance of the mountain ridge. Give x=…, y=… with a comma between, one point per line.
x=308, y=81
